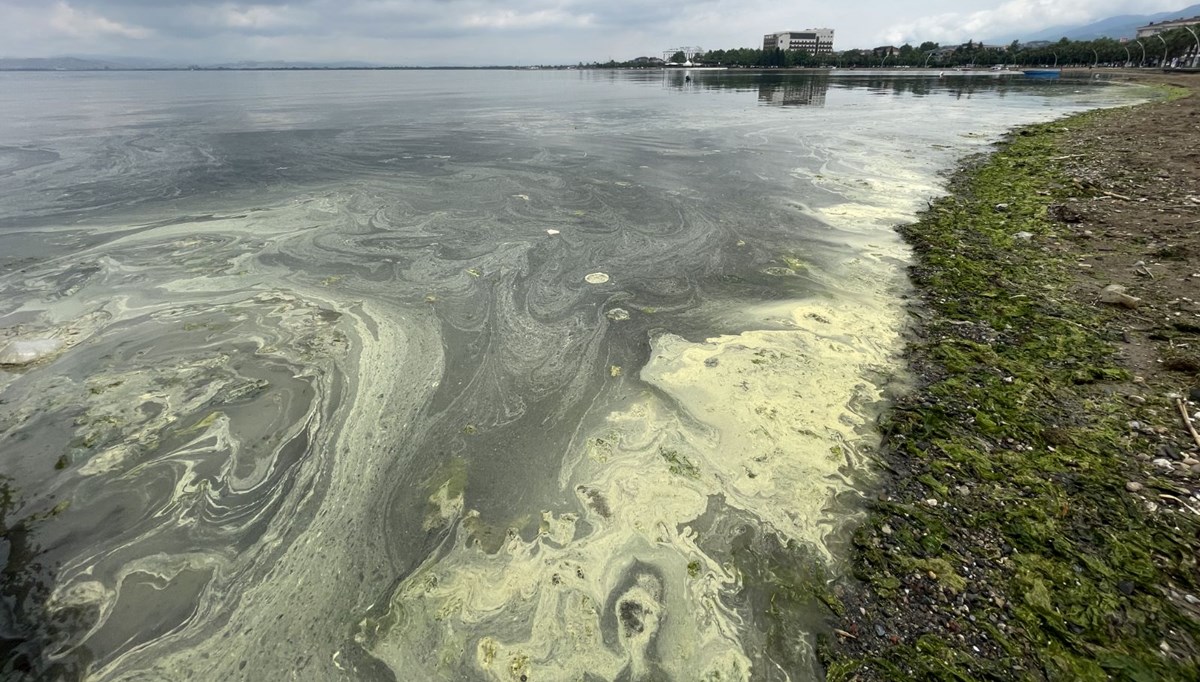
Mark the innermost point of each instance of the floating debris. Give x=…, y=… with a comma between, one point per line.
x=617, y=314
x=596, y=278
x=522, y=197
x=551, y=232
x=28, y=351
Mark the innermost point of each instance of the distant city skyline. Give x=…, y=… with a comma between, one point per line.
x=516, y=32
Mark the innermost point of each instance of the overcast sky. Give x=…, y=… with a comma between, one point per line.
x=483, y=32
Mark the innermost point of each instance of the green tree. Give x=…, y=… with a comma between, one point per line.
x=679, y=57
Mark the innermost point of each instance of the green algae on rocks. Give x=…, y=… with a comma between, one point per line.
x=1004, y=544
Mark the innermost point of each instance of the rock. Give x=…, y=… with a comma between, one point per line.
x=1126, y=587
x=1163, y=463
x=885, y=529
x=1001, y=208
x=1134, y=486
x=712, y=362
x=1114, y=294
x=28, y=351
x=1194, y=395
x=963, y=490
x=880, y=631
x=1023, y=236
x=931, y=502
x=1191, y=461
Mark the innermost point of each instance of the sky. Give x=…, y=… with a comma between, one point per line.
x=510, y=32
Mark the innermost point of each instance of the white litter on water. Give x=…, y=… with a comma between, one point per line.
x=618, y=314
x=28, y=351
x=551, y=231
x=596, y=278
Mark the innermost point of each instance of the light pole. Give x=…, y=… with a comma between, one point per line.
x=1164, y=42
x=1128, y=57
x=885, y=56
x=927, y=56
x=1097, y=55
x=1197, y=39
x=1143, y=62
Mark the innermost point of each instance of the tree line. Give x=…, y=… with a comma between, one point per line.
x=1152, y=51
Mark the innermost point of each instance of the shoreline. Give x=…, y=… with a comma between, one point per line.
x=1036, y=514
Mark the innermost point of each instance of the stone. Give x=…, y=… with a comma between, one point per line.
x=1114, y=294
x=1023, y=236
x=1163, y=463
x=931, y=502
x=1134, y=486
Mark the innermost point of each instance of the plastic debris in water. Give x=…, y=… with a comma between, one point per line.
x=617, y=314
x=596, y=278
x=551, y=231
x=28, y=351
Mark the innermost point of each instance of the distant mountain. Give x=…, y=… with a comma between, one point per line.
x=281, y=64
x=103, y=63
x=56, y=64
x=1123, y=26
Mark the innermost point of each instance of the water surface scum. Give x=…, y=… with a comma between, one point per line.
x=451, y=375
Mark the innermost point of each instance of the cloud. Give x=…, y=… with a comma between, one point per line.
x=1011, y=19
x=462, y=32
x=506, y=19
x=85, y=24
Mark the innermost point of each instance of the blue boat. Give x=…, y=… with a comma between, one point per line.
x=1041, y=73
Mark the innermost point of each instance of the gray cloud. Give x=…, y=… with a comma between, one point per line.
x=422, y=32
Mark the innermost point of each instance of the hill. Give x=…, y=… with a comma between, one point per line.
x=1122, y=26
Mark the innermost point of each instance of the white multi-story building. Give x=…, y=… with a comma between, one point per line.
x=1164, y=26
x=810, y=40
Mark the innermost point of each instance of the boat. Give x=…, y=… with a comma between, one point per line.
x=1042, y=73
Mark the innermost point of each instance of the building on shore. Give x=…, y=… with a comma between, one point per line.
x=1153, y=29
x=810, y=40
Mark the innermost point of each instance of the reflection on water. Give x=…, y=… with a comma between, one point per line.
x=809, y=92
x=468, y=375
x=810, y=89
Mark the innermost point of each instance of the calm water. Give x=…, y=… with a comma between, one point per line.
x=448, y=375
